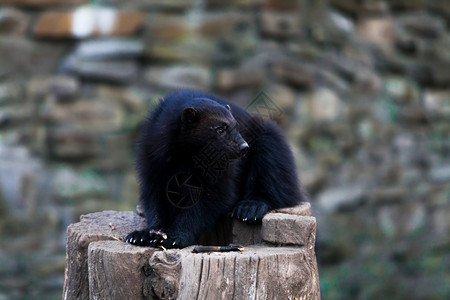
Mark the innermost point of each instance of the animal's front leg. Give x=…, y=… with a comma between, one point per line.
x=188, y=225
x=250, y=211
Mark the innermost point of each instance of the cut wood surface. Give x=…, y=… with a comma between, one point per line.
x=282, y=265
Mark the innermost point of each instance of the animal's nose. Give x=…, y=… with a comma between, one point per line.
x=243, y=148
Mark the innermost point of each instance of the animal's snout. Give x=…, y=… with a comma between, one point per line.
x=243, y=148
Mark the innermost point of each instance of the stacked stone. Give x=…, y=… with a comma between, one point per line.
x=361, y=88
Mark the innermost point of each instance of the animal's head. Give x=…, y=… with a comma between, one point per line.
x=211, y=127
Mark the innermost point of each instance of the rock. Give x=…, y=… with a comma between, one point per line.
x=406, y=147
x=437, y=103
x=412, y=114
x=403, y=91
x=331, y=28
x=361, y=8
x=407, y=4
x=284, y=229
x=116, y=71
x=440, y=8
x=11, y=92
x=7, y=262
x=288, y=5
x=346, y=68
x=343, y=24
x=440, y=173
x=388, y=195
x=313, y=179
x=71, y=144
x=340, y=198
x=409, y=44
x=284, y=98
x=87, y=21
x=281, y=24
x=103, y=150
x=19, y=175
x=180, y=77
x=14, y=116
x=69, y=183
x=422, y=24
x=249, y=75
x=231, y=3
x=43, y=3
x=222, y=38
x=438, y=72
x=166, y=27
x=159, y=5
x=109, y=48
x=426, y=72
x=215, y=25
x=173, y=5
x=13, y=21
x=133, y=99
x=232, y=51
x=93, y=116
x=323, y=105
x=62, y=87
x=401, y=220
x=294, y=72
x=379, y=30
x=262, y=104
x=192, y=50
x=352, y=7
x=441, y=225
x=230, y=24
x=23, y=57
x=367, y=82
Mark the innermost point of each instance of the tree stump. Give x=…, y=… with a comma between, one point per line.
x=278, y=261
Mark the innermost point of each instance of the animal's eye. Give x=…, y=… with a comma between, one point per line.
x=220, y=130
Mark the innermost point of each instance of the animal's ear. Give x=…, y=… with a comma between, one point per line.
x=228, y=107
x=189, y=115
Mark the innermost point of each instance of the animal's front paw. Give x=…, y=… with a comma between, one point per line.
x=177, y=241
x=146, y=237
x=250, y=211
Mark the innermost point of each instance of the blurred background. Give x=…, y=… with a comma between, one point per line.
x=364, y=87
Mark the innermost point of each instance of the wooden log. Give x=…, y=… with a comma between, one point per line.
x=118, y=266
x=246, y=234
x=303, y=209
x=92, y=227
x=286, y=229
x=250, y=234
x=258, y=273
x=97, y=268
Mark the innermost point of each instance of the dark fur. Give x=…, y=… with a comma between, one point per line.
x=175, y=132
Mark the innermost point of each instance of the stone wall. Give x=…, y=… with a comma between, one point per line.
x=361, y=88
